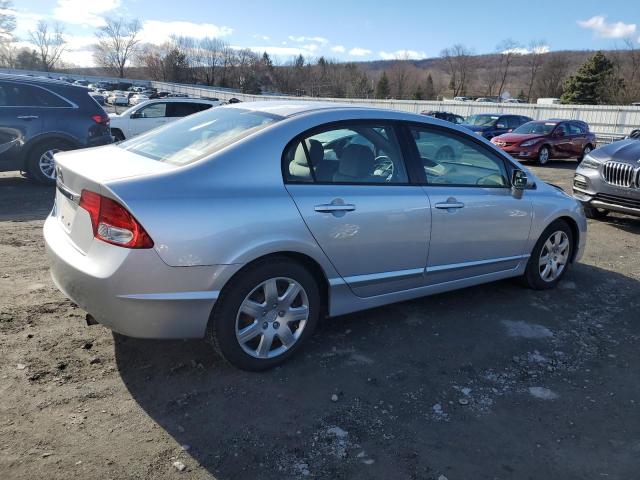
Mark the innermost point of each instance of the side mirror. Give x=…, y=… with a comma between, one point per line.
x=519, y=182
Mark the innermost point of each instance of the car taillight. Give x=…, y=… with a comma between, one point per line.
x=112, y=223
x=101, y=119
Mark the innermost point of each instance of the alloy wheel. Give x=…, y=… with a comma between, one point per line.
x=47, y=163
x=554, y=256
x=543, y=156
x=272, y=317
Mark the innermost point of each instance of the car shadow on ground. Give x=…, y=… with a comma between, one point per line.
x=23, y=199
x=399, y=373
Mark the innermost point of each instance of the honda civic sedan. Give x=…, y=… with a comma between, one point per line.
x=247, y=224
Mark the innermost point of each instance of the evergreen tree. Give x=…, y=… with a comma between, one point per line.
x=429, y=89
x=522, y=96
x=590, y=84
x=382, y=88
x=266, y=60
x=418, y=94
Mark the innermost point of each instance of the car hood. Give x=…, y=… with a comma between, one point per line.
x=622, y=151
x=517, y=137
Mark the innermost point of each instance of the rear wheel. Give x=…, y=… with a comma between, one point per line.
x=265, y=314
x=117, y=134
x=41, y=165
x=543, y=155
x=550, y=258
x=595, y=213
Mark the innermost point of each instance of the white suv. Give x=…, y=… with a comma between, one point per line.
x=154, y=113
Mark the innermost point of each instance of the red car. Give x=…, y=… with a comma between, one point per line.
x=543, y=140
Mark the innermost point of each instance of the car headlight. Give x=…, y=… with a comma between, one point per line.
x=589, y=162
x=528, y=143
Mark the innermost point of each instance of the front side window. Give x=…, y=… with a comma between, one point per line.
x=357, y=154
x=155, y=110
x=450, y=159
x=182, y=109
x=192, y=138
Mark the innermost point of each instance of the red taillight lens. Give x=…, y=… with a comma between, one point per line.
x=101, y=119
x=112, y=223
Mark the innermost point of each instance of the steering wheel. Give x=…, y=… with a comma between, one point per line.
x=384, y=167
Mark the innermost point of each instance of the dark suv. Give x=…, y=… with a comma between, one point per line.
x=39, y=117
x=490, y=125
x=447, y=116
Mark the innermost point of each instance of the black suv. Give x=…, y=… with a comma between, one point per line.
x=39, y=117
x=448, y=116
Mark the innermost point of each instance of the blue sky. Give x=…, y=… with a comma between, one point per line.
x=348, y=30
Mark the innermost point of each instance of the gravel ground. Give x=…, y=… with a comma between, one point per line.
x=495, y=382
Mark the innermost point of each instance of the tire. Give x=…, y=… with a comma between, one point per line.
x=250, y=287
x=534, y=274
x=44, y=172
x=117, y=134
x=544, y=154
x=595, y=213
x=585, y=151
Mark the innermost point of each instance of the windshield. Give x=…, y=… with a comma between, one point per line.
x=199, y=135
x=482, y=120
x=541, y=128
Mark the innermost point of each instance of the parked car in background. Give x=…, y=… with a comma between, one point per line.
x=461, y=99
x=544, y=140
x=447, y=116
x=634, y=134
x=39, y=117
x=98, y=97
x=486, y=100
x=154, y=113
x=118, y=98
x=608, y=180
x=160, y=94
x=548, y=101
x=246, y=226
x=514, y=100
x=137, y=98
x=491, y=124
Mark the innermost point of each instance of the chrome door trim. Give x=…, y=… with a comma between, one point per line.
x=373, y=278
x=456, y=266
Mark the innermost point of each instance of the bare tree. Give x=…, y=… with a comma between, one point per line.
x=550, y=78
x=49, y=42
x=7, y=26
x=534, y=60
x=458, y=64
x=508, y=49
x=209, y=57
x=117, y=44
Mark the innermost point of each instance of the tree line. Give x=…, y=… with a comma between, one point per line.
x=527, y=72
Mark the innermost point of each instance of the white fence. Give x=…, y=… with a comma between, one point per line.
x=609, y=122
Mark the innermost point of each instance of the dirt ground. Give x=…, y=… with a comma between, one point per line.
x=491, y=382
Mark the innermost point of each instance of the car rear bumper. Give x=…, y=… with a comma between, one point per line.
x=133, y=292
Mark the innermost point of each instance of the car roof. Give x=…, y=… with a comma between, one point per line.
x=286, y=109
x=45, y=82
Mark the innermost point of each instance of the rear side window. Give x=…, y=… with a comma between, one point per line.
x=192, y=138
x=21, y=95
x=449, y=159
x=354, y=154
x=182, y=109
x=155, y=110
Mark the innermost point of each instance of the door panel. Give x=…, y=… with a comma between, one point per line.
x=486, y=233
x=377, y=237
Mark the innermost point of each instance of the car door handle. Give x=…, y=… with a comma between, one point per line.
x=334, y=207
x=28, y=117
x=448, y=205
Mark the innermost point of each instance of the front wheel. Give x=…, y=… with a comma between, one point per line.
x=595, y=213
x=265, y=314
x=551, y=256
x=585, y=151
x=543, y=155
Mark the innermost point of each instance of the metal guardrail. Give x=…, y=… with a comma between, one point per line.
x=608, y=122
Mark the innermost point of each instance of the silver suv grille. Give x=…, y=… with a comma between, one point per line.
x=620, y=174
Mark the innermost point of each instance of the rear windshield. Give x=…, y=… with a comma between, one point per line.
x=197, y=136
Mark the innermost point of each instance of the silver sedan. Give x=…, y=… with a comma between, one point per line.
x=247, y=224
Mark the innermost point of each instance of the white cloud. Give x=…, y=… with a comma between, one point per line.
x=526, y=51
x=158, y=32
x=608, y=30
x=403, y=55
x=359, y=52
x=26, y=22
x=84, y=12
x=308, y=39
x=338, y=49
